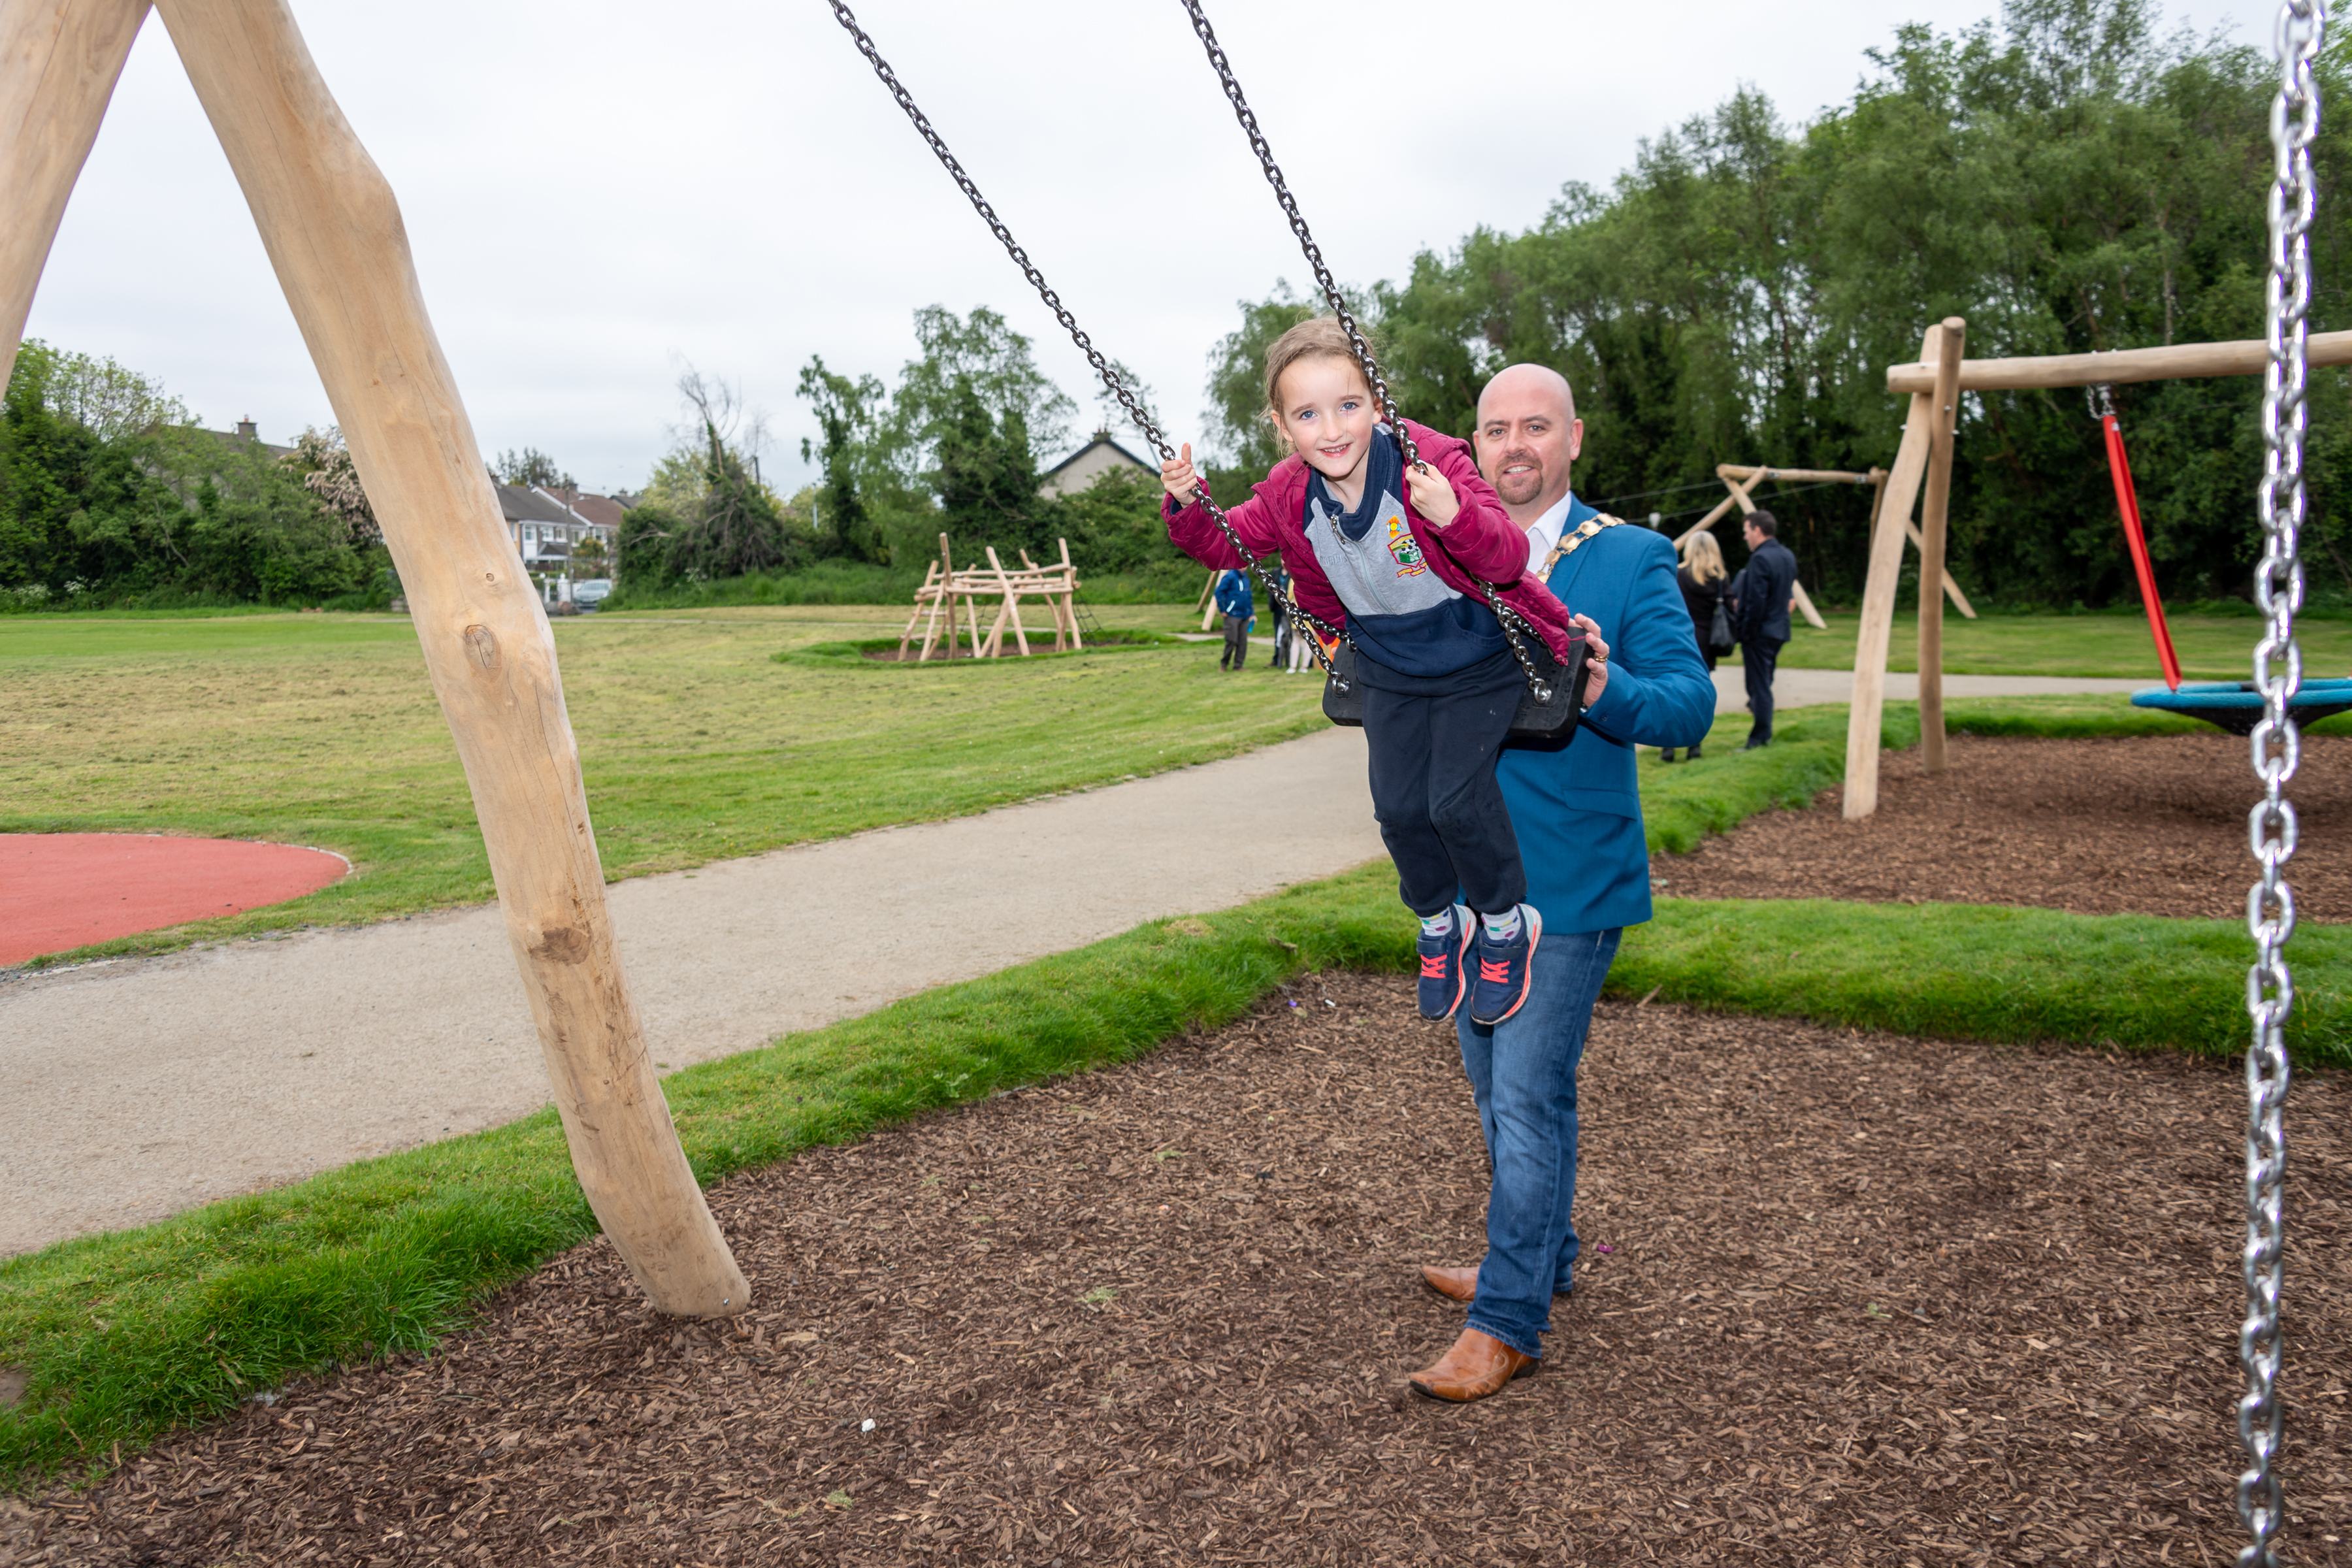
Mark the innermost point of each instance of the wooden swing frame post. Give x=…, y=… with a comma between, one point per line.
x=1934, y=514
x=1868, y=703
x=333, y=230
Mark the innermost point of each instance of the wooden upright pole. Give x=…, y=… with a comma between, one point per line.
x=333, y=232
x=1934, y=511
x=60, y=60
x=1877, y=628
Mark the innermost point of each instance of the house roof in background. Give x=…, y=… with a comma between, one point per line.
x=604, y=509
x=239, y=438
x=1102, y=441
x=519, y=504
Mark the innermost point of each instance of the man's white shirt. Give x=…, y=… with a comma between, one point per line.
x=1543, y=533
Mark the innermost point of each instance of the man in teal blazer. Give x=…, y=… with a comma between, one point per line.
x=1578, y=814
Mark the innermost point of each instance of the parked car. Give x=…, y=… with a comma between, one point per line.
x=591, y=592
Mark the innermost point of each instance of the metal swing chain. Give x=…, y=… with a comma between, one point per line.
x=1512, y=624
x=1136, y=411
x=2277, y=748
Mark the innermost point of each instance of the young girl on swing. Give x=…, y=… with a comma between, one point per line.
x=1396, y=556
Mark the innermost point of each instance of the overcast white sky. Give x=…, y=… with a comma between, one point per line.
x=599, y=192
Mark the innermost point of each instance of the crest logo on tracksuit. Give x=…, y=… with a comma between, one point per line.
x=1404, y=546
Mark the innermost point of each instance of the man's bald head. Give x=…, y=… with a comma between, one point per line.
x=1527, y=436
x=1524, y=383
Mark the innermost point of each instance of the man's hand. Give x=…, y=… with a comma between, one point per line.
x=1596, y=663
x=1177, y=476
x=1433, y=495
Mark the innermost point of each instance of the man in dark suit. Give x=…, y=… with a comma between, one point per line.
x=1578, y=814
x=1767, y=587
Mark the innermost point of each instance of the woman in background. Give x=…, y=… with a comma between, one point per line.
x=1704, y=583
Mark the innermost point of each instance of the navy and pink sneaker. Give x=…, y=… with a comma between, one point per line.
x=1446, y=965
x=1503, y=967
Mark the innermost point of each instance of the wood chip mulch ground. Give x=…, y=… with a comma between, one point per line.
x=1848, y=1299
x=2152, y=825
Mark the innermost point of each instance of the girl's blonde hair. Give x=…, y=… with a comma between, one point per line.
x=1321, y=337
x=1704, y=557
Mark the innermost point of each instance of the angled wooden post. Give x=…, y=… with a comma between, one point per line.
x=1740, y=490
x=908, y=636
x=60, y=60
x=1877, y=628
x=333, y=233
x=1070, y=594
x=1934, y=512
x=1012, y=610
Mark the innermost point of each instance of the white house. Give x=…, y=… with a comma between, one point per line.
x=1090, y=462
x=547, y=528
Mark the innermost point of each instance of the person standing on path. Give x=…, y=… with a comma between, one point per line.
x=1285, y=634
x=1704, y=585
x=1233, y=603
x=1579, y=813
x=1768, y=587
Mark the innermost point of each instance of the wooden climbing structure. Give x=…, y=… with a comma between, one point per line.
x=945, y=589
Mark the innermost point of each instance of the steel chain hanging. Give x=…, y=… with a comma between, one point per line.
x=1136, y=411
x=1512, y=624
x=2277, y=748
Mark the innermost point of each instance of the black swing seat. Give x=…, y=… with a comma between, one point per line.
x=2237, y=705
x=1537, y=726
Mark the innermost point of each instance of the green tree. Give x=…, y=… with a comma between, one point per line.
x=986, y=476
x=531, y=466
x=146, y=505
x=847, y=412
x=2065, y=177
x=706, y=515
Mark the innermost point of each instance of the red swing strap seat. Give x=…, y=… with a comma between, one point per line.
x=2127, y=502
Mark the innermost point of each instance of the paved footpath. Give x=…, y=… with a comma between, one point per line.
x=132, y=1089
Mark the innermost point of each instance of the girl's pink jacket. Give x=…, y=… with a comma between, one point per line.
x=1481, y=543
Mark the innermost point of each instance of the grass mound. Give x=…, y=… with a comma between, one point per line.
x=884, y=650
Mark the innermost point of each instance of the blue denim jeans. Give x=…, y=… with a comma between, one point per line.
x=1523, y=1075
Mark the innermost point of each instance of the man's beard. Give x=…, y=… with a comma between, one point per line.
x=1517, y=489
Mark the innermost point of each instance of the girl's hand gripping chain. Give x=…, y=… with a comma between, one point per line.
x=1433, y=495
x=1176, y=474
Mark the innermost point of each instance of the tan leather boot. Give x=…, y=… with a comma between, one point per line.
x=1461, y=1284
x=1478, y=1364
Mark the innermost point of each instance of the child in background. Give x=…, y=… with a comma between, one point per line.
x=1395, y=556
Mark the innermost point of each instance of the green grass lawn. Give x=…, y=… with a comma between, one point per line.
x=696, y=744
x=2108, y=643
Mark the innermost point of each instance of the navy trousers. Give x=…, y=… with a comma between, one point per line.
x=1758, y=657
x=1434, y=743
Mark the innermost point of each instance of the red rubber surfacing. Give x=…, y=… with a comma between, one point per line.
x=59, y=890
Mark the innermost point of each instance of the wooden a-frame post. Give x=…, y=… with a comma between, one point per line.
x=1886, y=541
x=1935, y=511
x=333, y=232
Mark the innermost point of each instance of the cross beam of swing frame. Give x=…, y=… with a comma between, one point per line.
x=1743, y=497
x=333, y=233
x=2248, y=356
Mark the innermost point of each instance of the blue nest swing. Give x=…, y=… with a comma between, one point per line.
x=2237, y=705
